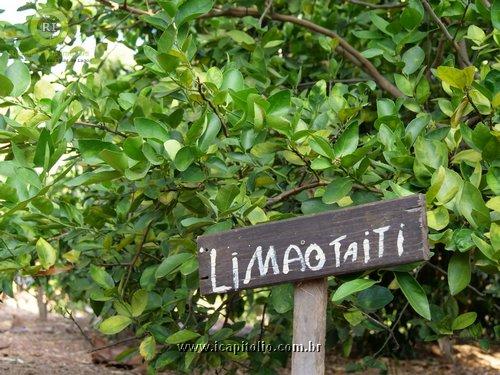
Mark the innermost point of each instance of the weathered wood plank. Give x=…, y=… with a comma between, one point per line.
x=374, y=235
x=309, y=327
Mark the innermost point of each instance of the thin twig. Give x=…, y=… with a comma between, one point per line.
x=463, y=59
x=378, y=6
x=306, y=162
x=333, y=81
x=262, y=327
x=280, y=197
x=344, y=47
x=385, y=327
x=473, y=105
x=79, y=328
x=212, y=106
x=461, y=20
x=114, y=344
x=437, y=268
x=393, y=327
x=266, y=10
x=101, y=127
x=125, y=7
x=137, y=254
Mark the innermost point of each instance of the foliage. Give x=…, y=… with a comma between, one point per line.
x=233, y=117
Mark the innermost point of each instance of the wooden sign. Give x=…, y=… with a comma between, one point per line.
x=374, y=235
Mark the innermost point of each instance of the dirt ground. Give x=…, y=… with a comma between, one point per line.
x=30, y=347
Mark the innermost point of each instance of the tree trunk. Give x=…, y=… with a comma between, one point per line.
x=42, y=305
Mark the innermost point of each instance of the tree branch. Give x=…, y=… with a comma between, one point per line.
x=296, y=190
x=137, y=253
x=100, y=127
x=79, y=327
x=391, y=333
x=378, y=6
x=280, y=197
x=114, y=344
x=344, y=47
x=125, y=6
x=463, y=59
x=333, y=81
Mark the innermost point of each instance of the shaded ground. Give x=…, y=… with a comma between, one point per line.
x=57, y=347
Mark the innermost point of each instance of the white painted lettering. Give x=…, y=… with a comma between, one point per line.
x=352, y=251
x=336, y=244
x=320, y=257
x=236, y=279
x=400, y=239
x=287, y=260
x=215, y=288
x=263, y=265
x=366, y=247
x=380, y=231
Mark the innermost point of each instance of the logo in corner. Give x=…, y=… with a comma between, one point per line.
x=49, y=27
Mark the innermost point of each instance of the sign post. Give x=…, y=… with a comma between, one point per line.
x=305, y=250
x=309, y=326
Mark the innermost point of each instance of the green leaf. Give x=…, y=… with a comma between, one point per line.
x=414, y=293
x=282, y=298
x=147, y=348
x=438, y=218
x=347, y=142
x=46, y=253
x=6, y=86
x=403, y=84
x=116, y=159
x=171, y=263
x=415, y=127
x=233, y=79
x=459, y=272
x=257, y=215
x=463, y=321
x=168, y=62
x=114, y=324
x=241, y=37
x=101, y=277
x=19, y=75
x=351, y=287
x=410, y=18
x=322, y=147
x=486, y=248
x=167, y=39
x=495, y=14
x=374, y=298
x=192, y=9
x=459, y=78
x=151, y=129
x=139, y=302
x=132, y=147
x=472, y=206
x=181, y=336
x=88, y=178
x=413, y=58
x=337, y=189
x=279, y=103
x=184, y=158
x=172, y=146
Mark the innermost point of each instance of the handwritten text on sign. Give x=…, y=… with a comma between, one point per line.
x=373, y=235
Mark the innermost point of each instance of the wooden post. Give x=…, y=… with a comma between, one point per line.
x=309, y=327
